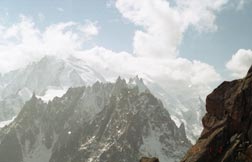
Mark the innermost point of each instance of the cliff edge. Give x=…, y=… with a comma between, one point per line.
x=227, y=133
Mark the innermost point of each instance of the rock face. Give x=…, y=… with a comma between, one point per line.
x=183, y=109
x=145, y=159
x=227, y=134
x=102, y=123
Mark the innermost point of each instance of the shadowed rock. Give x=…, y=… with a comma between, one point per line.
x=250, y=70
x=227, y=133
x=146, y=159
x=106, y=122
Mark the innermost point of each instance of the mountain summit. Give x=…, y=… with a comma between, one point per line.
x=51, y=76
x=101, y=123
x=227, y=134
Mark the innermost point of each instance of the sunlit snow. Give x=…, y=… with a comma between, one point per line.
x=51, y=93
x=7, y=122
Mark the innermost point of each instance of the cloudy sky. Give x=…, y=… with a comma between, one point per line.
x=194, y=42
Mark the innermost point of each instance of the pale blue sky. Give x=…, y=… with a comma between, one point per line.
x=234, y=32
x=116, y=33
x=112, y=27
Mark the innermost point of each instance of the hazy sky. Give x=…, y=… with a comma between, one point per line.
x=202, y=41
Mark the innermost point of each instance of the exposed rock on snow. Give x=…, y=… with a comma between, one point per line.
x=102, y=123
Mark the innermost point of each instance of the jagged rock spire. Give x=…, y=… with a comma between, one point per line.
x=114, y=114
x=33, y=95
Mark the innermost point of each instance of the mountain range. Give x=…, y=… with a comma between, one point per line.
x=103, y=122
x=52, y=76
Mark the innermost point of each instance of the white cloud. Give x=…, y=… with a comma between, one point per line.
x=156, y=42
x=200, y=14
x=23, y=42
x=90, y=29
x=161, y=32
x=172, y=74
x=240, y=63
x=164, y=25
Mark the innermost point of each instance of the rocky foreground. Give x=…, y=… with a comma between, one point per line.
x=227, y=134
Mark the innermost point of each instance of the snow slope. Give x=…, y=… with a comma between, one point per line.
x=47, y=78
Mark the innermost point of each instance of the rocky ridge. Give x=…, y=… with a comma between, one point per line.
x=102, y=123
x=227, y=134
x=52, y=76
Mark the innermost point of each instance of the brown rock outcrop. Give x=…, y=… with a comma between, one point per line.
x=227, y=133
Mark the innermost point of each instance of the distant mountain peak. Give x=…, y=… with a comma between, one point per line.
x=48, y=77
x=119, y=80
x=136, y=81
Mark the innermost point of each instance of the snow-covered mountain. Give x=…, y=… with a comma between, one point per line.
x=52, y=76
x=102, y=123
x=188, y=111
x=49, y=77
